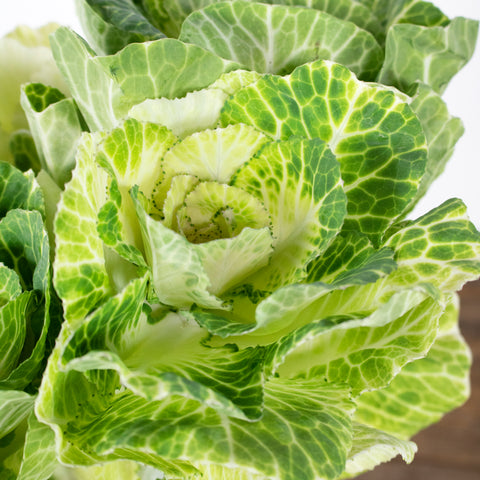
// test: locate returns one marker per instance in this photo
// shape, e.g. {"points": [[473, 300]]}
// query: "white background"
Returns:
{"points": [[462, 175]]}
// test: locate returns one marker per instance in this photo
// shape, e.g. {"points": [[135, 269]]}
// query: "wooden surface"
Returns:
{"points": [[450, 449]]}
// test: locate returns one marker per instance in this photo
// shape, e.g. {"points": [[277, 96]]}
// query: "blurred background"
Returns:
{"points": [[449, 450]]}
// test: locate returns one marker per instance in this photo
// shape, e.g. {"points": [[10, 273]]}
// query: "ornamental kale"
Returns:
{"points": [[224, 216]]}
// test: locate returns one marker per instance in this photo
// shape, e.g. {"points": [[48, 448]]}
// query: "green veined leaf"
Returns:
{"points": [[110, 25], [416, 12], [299, 183], [392, 12], [48, 112], [13, 331], [441, 130], [39, 456], [94, 88], [423, 391], [373, 133], [132, 155], [350, 258], [308, 423], [428, 55], [365, 353], [106, 88], [356, 293], [25, 249], [442, 247], [19, 190], [80, 276], [24, 152], [120, 336], [111, 229], [15, 406], [243, 399], [11, 451], [278, 38], [164, 68], [10, 287], [349, 10], [168, 15], [372, 447]]}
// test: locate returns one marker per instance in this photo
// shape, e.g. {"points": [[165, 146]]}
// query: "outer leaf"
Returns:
{"points": [[112, 24], [349, 10], [442, 247], [80, 275], [277, 38], [24, 152], [357, 292], [423, 391], [24, 248], [49, 112], [168, 15], [14, 408], [375, 136], [71, 396], [350, 258], [365, 353], [25, 57], [13, 330], [309, 424], [19, 190], [11, 449], [10, 287], [105, 88], [372, 447], [441, 130], [164, 68], [240, 400], [429, 55], [417, 12], [39, 456], [97, 94], [139, 350], [299, 183]]}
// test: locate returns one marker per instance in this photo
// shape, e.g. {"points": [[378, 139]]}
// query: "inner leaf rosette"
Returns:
{"points": [[274, 204]]}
